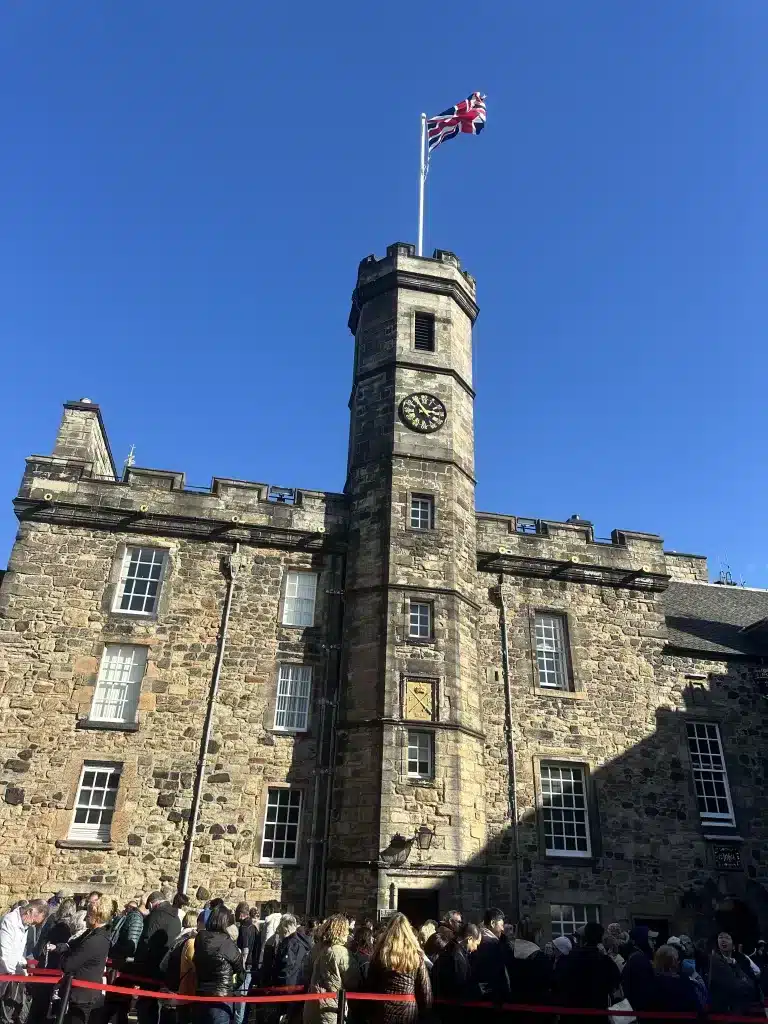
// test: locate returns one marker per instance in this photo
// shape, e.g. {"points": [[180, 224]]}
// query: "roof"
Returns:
{"points": [[716, 619]]}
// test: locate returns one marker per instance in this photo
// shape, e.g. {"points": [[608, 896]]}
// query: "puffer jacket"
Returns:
{"points": [[332, 968], [217, 959]]}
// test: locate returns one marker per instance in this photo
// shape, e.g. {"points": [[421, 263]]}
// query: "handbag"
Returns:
{"points": [[623, 1004]]}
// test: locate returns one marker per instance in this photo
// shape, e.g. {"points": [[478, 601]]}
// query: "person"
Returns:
{"points": [[361, 948], [126, 933], [733, 987], [490, 969], [181, 903], [161, 927], [669, 989], [435, 945], [397, 968], [217, 960], [453, 976], [271, 921], [84, 958], [292, 950], [14, 928], [587, 977], [248, 942], [760, 955], [178, 967], [82, 913], [611, 944], [454, 921], [331, 969], [427, 929], [637, 976], [56, 932], [528, 969]]}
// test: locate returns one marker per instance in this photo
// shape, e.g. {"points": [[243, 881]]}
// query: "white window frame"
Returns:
{"points": [[551, 640], [95, 799], [559, 806], [705, 748], [280, 791], [415, 620], [120, 589], [294, 692], [291, 607], [424, 507], [421, 742], [121, 672], [567, 918]]}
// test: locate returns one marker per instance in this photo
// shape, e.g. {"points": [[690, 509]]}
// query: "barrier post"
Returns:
{"points": [[342, 1008], [64, 999]]}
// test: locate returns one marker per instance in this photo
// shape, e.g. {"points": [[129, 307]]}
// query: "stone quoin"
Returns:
{"points": [[576, 725]]}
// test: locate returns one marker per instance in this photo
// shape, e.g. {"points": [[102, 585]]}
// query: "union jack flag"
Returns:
{"points": [[467, 116]]}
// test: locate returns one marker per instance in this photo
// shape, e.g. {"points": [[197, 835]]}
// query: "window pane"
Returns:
{"points": [[709, 773], [300, 595], [293, 689], [138, 589], [420, 620], [564, 810], [95, 802], [421, 746], [550, 651], [116, 695], [568, 918], [422, 512], [281, 825]]}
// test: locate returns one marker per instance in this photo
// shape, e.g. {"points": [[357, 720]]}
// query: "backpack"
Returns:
{"points": [[172, 976]]}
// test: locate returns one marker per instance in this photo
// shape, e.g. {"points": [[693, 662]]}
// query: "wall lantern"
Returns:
{"points": [[424, 836]]}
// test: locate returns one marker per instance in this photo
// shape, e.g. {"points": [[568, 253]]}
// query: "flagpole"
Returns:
{"points": [[422, 178]]}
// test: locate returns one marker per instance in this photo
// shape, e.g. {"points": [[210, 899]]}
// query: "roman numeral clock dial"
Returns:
{"points": [[422, 412]]}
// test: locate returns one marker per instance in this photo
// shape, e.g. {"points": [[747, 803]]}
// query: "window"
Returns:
{"points": [[551, 651], [422, 512], [281, 827], [709, 775], [566, 918], [421, 754], [420, 620], [293, 685], [564, 807], [300, 594], [424, 332], [117, 689], [140, 580], [95, 804]]}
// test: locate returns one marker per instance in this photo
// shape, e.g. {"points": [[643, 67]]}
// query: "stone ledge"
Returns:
{"points": [[540, 691], [85, 723], [82, 844]]}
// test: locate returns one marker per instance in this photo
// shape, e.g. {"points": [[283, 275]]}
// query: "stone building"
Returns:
{"points": [[382, 698]]}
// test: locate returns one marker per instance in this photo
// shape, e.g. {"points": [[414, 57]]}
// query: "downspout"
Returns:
{"points": [[229, 564], [511, 758]]}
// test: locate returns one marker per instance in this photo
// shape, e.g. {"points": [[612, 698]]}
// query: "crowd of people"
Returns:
{"points": [[162, 943]]}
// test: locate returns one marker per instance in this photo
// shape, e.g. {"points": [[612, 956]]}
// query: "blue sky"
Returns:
{"points": [[186, 189]]}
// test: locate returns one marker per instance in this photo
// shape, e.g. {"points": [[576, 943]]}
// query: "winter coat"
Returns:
{"points": [[126, 935], [173, 959], [13, 941], [85, 958], [217, 959], [587, 977], [388, 982], [529, 971], [733, 987], [490, 969], [674, 993], [637, 979], [161, 927], [332, 968], [58, 935], [288, 962], [453, 975]]}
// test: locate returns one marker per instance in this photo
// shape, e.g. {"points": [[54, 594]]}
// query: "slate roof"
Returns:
{"points": [[712, 619]]}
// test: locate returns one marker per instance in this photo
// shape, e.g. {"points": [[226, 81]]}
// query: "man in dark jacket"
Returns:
{"points": [[490, 971], [637, 976], [249, 944], [588, 977], [161, 927], [291, 953]]}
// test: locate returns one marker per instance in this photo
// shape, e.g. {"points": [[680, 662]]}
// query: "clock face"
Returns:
{"points": [[423, 412]]}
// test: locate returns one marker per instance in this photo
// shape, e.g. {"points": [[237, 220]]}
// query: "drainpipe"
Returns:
{"points": [[510, 744], [230, 564]]}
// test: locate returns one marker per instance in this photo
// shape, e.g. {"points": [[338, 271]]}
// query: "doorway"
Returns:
{"points": [[418, 905]]}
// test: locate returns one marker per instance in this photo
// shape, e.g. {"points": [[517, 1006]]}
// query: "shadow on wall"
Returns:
{"points": [[649, 858]]}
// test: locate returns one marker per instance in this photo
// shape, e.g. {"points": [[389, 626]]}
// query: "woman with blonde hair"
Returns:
{"points": [[397, 968], [85, 958], [331, 969]]}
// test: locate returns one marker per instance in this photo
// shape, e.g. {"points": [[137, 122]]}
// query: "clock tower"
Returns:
{"points": [[410, 734]]}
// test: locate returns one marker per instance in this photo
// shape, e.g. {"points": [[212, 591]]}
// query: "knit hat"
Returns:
{"points": [[563, 944]]}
